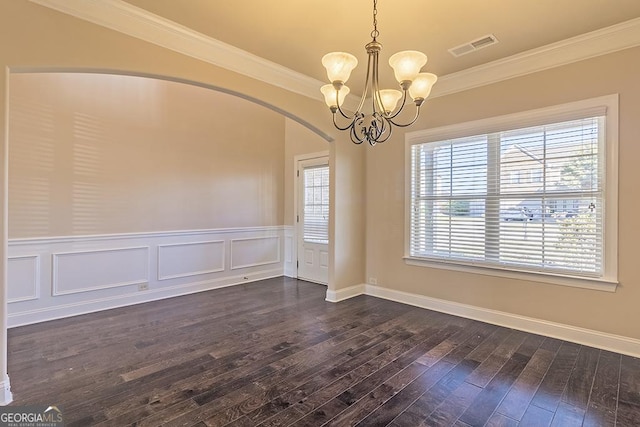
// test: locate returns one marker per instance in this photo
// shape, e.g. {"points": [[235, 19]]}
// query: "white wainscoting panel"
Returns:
{"points": [[55, 277], [255, 251], [85, 271], [308, 257], [190, 259], [290, 251], [324, 259], [288, 245], [23, 274]]}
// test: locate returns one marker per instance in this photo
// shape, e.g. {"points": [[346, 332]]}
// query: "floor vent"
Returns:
{"points": [[473, 45]]}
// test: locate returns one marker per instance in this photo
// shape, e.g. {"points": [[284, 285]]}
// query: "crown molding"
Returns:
{"points": [[136, 22], [589, 45]]}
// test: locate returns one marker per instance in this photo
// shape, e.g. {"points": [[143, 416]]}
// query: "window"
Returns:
{"points": [[528, 193], [316, 204]]}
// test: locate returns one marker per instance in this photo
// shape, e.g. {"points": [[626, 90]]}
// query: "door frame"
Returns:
{"points": [[296, 207]]}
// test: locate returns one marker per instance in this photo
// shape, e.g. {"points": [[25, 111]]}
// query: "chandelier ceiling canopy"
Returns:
{"points": [[376, 125]]}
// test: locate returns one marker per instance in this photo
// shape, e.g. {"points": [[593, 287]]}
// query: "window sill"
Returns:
{"points": [[598, 284]]}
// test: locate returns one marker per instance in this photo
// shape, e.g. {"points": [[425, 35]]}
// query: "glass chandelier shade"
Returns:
{"points": [[329, 93], [376, 126], [389, 98], [339, 65], [421, 86], [407, 64]]}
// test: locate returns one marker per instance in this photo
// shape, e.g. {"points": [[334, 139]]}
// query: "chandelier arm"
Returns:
{"points": [[358, 110], [407, 124], [404, 102], [359, 131], [354, 136], [380, 141], [366, 85], [377, 100], [353, 117], [345, 115], [387, 128], [335, 123], [377, 128], [375, 90], [380, 126], [355, 139]]}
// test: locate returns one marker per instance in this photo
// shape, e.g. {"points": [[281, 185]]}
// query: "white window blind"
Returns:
{"points": [[316, 204], [529, 199]]}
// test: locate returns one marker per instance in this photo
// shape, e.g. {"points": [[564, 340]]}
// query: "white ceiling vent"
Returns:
{"points": [[474, 45]]}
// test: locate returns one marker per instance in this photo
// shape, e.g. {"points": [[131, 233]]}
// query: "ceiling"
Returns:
{"points": [[297, 33]]}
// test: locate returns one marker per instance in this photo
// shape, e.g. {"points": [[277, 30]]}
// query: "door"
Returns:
{"points": [[313, 220]]}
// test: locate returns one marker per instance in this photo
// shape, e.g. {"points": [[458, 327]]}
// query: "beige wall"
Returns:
{"points": [[102, 154], [298, 141], [615, 313], [347, 249]]}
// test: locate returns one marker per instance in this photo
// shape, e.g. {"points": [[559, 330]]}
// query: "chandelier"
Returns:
{"points": [[376, 127]]}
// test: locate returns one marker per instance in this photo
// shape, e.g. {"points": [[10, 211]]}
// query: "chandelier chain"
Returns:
{"points": [[375, 33]]}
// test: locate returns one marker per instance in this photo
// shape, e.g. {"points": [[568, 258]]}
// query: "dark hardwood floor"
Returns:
{"points": [[274, 353]]}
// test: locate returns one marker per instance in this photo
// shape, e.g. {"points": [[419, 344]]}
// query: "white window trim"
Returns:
{"points": [[557, 113]]}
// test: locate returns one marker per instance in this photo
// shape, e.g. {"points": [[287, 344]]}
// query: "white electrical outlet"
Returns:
{"points": [[143, 287]]}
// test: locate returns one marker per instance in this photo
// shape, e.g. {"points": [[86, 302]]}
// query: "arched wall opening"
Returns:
{"points": [[128, 188], [95, 153]]}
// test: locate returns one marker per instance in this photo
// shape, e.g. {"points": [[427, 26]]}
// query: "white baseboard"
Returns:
{"points": [[99, 304], [589, 337], [5, 392], [346, 293]]}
